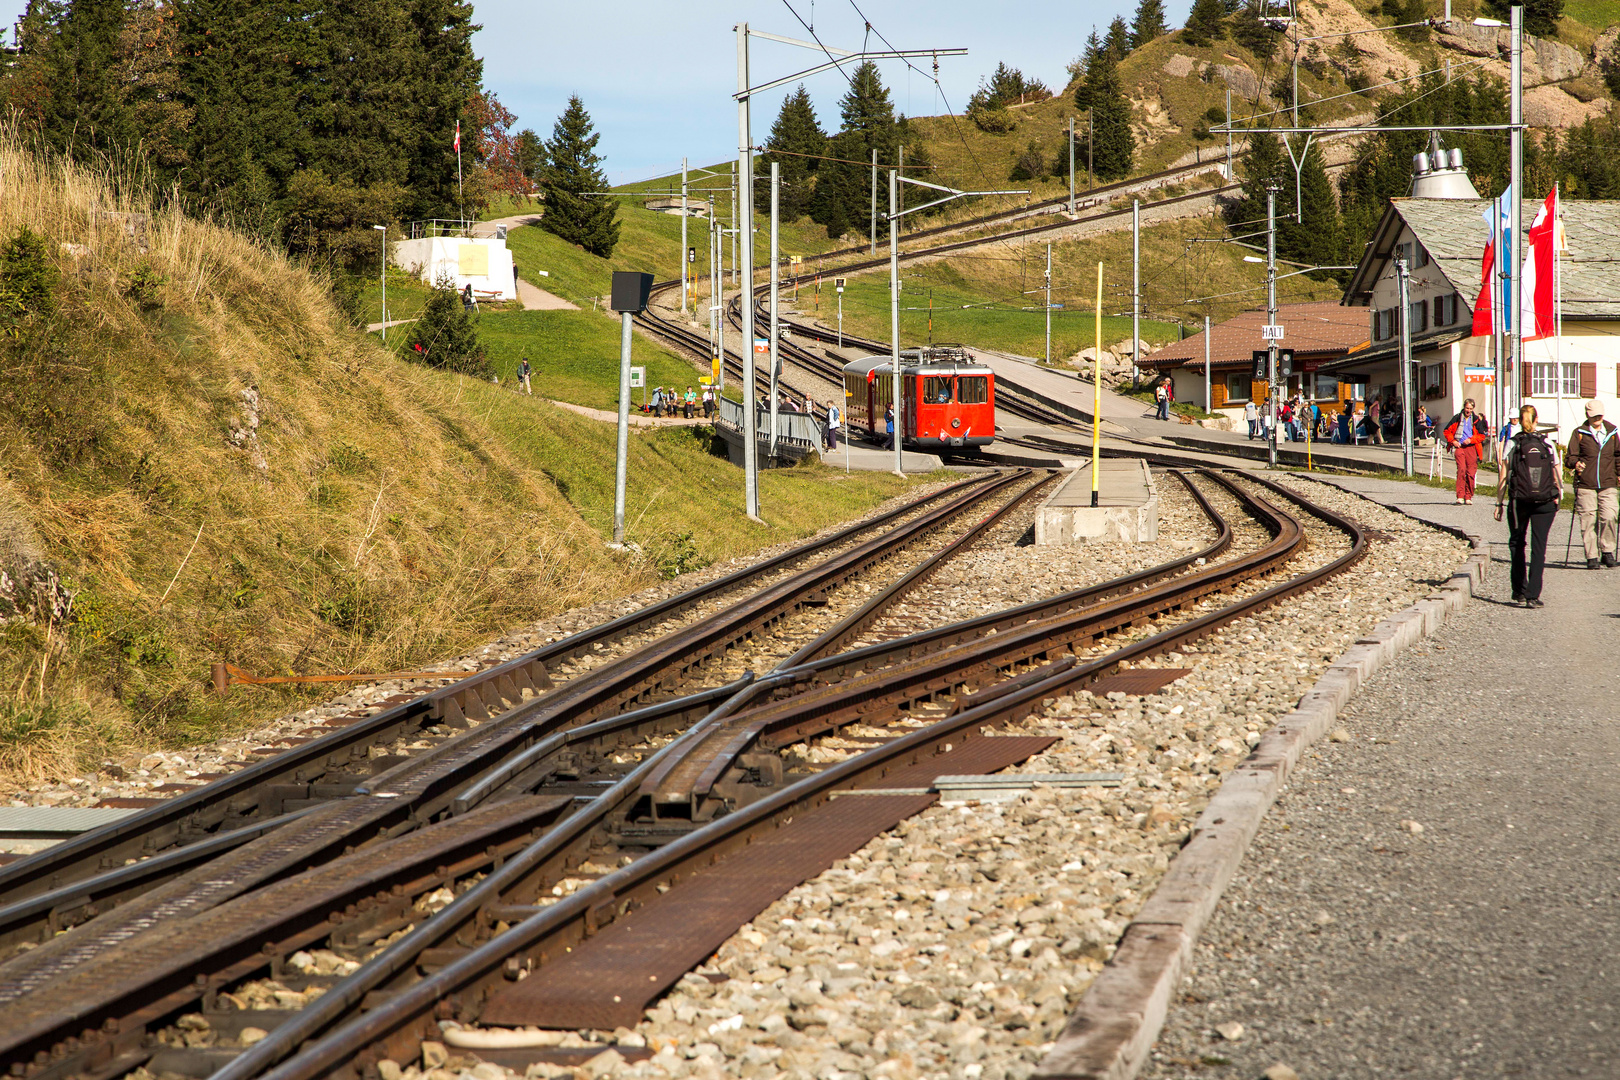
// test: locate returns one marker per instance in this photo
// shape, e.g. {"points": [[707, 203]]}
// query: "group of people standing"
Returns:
{"points": [[664, 401], [1530, 487]]}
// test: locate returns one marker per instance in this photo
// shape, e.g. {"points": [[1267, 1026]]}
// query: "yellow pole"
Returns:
{"points": [[1096, 392]]}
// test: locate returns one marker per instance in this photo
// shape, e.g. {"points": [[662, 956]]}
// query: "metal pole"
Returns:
{"points": [[1403, 298], [624, 427], [1271, 320], [1048, 303], [734, 223], [683, 238], [1229, 132], [874, 200], [1136, 290], [1498, 317], [1091, 143], [718, 312], [894, 311], [1209, 401], [1071, 165], [776, 194], [840, 318], [384, 230], [744, 190], [1295, 67], [1515, 220], [1096, 390]]}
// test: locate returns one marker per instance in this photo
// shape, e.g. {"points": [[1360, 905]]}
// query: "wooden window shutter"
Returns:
{"points": [[1217, 393], [1524, 378], [1257, 391], [1588, 380]]}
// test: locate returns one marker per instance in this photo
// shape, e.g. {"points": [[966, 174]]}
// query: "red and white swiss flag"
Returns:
{"points": [[458, 137], [1537, 303]]}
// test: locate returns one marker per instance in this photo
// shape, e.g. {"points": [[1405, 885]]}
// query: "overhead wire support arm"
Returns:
{"points": [[887, 54]]}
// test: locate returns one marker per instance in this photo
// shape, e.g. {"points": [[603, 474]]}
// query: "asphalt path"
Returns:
{"points": [[1435, 896]]}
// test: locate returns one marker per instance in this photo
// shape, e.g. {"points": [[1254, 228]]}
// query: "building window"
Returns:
{"points": [[1417, 314], [1432, 381], [1420, 255], [1237, 386], [1445, 310], [1384, 324], [1327, 387], [1544, 380]]}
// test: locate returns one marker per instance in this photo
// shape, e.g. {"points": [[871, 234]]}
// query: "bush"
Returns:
{"points": [[445, 337], [145, 285], [28, 280], [1030, 165], [992, 118]]}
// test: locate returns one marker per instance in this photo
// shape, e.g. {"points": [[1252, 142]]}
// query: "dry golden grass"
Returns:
{"points": [[373, 518]]}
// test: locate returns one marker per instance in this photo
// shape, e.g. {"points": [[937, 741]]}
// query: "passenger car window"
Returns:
{"points": [[973, 389], [936, 390]]}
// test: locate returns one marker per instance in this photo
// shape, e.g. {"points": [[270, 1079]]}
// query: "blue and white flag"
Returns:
{"points": [[1502, 229]]}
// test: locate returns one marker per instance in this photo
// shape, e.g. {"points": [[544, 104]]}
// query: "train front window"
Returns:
{"points": [[936, 390], [973, 389]]}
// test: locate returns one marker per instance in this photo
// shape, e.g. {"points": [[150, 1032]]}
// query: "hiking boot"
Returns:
{"points": [[1518, 598], [1609, 559], [1534, 601], [1592, 564]]}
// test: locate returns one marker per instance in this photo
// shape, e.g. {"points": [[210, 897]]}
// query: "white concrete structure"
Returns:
{"points": [[480, 259]]}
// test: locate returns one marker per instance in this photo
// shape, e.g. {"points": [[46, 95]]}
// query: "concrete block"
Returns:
{"points": [[1128, 506]]}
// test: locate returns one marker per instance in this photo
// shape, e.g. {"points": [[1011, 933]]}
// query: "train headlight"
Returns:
{"points": [[957, 422]]}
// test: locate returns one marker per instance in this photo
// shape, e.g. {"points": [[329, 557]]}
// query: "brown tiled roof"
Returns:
{"points": [[1320, 329]]}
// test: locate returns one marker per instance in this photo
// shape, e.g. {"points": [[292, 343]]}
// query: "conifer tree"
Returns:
{"points": [[1118, 42], [1148, 23], [573, 168], [531, 155], [1205, 23], [442, 74], [868, 124], [1540, 16], [1315, 237], [1083, 67], [1114, 145], [353, 105], [444, 336], [796, 143]]}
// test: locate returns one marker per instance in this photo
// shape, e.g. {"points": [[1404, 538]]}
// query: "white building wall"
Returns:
{"points": [[430, 257]]}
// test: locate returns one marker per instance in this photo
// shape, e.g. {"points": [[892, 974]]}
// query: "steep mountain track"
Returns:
{"points": [[71, 881], [536, 877]]}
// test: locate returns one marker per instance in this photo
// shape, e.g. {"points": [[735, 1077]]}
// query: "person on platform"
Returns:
{"points": [[888, 426], [1591, 455], [1530, 483], [1162, 396], [708, 402], [835, 420], [1375, 421], [1422, 424], [1465, 436], [1251, 416]]}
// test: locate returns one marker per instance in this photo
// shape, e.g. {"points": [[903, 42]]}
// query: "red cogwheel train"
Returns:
{"points": [[948, 400]]}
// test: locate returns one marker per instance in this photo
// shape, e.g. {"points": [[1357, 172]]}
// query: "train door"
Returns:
{"points": [[908, 388]]}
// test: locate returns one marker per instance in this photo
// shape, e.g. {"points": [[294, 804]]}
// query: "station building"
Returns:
{"points": [[1351, 351], [464, 252]]}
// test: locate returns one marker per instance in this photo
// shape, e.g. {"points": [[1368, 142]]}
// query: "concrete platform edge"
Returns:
{"points": [[1112, 1031]]}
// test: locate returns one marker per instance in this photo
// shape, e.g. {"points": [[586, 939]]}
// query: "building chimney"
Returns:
{"points": [[1438, 174]]}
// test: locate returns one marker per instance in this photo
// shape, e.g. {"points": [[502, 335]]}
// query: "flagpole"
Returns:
{"points": [[460, 198]]}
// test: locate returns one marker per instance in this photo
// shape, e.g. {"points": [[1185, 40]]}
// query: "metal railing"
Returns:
{"points": [[454, 227], [796, 429]]}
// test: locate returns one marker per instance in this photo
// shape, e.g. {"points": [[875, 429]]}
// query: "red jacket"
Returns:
{"points": [[1482, 431]]}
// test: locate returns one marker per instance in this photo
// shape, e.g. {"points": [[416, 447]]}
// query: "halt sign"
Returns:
{"points": [[638, 378]]}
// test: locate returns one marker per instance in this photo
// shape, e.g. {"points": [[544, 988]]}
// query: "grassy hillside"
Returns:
{"points": [[219, 468]]}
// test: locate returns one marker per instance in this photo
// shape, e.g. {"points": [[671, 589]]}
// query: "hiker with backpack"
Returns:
{"points": [[1466, 435], [1530, 482], [1591, 455]]}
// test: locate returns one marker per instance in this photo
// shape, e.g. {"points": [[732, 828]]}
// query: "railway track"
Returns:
{"points": [[537, 852], [424, 808], [77, 879]]}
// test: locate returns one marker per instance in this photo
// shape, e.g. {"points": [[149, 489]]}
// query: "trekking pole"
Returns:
{"points": [[1569, 543]]}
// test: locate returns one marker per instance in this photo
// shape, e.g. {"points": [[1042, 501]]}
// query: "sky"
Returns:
{"points": [[657, 78]]}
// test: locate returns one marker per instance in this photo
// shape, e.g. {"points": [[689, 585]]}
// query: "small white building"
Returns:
{"points": [[466, 252], [1443, 241]]}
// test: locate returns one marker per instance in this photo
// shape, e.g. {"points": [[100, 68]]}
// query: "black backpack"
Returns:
{"points": [[1535, 469]]}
